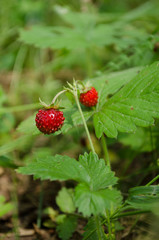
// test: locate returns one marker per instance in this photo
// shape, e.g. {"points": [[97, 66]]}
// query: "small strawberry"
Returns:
{"points": [[49, 120], [89, 98]]}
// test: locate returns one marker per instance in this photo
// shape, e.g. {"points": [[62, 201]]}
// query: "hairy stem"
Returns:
{"points": [[57, 95], [109, 225], [84, 121], [97, 218], [107, 162]]}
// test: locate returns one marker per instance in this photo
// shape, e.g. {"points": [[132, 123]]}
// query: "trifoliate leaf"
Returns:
{"points": [[136, 104], [92, 195], [90, 170], [66, 228], [65, 200]]}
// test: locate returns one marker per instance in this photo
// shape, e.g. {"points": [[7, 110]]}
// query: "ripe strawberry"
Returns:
{"points": [[49, 120], [89, 98]]}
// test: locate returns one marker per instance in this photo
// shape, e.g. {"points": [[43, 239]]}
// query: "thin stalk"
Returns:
{"points": [[107, 162], [118, 210], [84, 122], [40, 206], [57, 95], [105, 149], [152, 181], [97, 218], [109, 225]]}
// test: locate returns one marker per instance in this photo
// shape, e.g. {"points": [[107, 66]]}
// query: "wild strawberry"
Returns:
{"points": [[89, 98], [49, 120]]}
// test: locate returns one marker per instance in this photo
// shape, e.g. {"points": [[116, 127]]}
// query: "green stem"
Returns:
{"points": [[107, 162], [104, 144], [153, 180], [109, 225], [57, 95], [97, 218], [84, 121]]}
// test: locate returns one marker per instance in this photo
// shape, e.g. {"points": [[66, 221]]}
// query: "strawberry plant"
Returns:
{"points": [[95, 139], [96, 195]]}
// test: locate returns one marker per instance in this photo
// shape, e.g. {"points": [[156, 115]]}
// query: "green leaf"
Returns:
{"points": [[136, 104], [91, 231], [94, 202], [90, 170], [39, 36], [66, 228], [69, 38], [110, 83], [99, 176], [65, 200], [54, 37], [105, 84], [55, 168], [144, 197], [73, 118], [92, 195], [78, 19]]}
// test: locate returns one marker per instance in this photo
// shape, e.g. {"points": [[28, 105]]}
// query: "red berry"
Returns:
{"points": [[89, 98], [49, 120]]}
